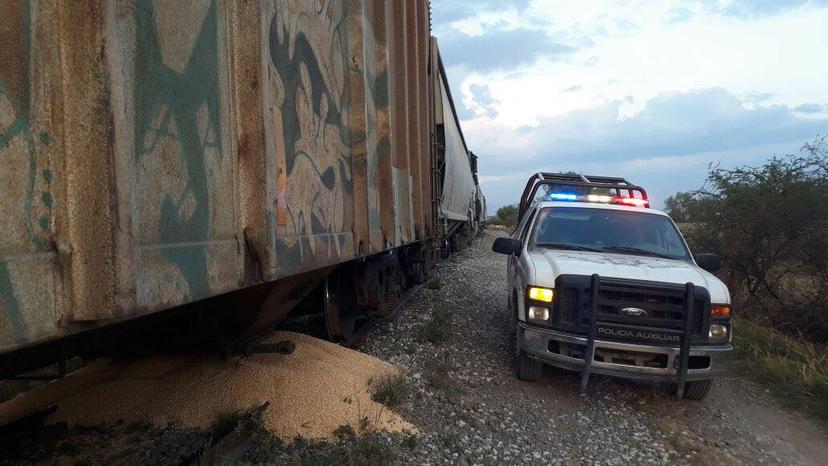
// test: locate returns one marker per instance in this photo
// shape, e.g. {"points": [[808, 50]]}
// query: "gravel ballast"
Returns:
{"points": [[472, 409]]}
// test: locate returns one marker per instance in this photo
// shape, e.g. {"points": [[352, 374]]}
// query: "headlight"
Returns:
{"points": [[541, 294], [538, 314], [720, 311], [718, 331]]}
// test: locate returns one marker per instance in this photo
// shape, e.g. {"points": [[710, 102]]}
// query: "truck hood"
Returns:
{"points": [[551, 263]]}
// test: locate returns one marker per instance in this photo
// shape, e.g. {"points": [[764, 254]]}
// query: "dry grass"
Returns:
{"points": [[793, 369], [391, 390], [438, 328]]}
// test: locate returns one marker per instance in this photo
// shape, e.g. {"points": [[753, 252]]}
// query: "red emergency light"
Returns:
{"points": [[633, 201]]}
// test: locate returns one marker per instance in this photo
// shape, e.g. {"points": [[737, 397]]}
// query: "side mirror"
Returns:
{"points": [[709, 262], [507, 246]]}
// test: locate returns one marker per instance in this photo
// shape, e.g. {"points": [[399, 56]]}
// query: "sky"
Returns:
{"points": [[653, 91]]}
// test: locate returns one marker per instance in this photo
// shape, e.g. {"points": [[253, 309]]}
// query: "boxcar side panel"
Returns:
{"points": [[155, 153], [30, 192], [183, 153], [400, 144], [412, 113], [424, 189], [378, 128], [458, 184], [307, 52]]}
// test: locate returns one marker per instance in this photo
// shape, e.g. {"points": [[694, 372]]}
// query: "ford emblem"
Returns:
{"points": [[634, 312]]}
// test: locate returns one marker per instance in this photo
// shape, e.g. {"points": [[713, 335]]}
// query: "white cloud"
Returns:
{"points": [[616, 81], [778, 54]]}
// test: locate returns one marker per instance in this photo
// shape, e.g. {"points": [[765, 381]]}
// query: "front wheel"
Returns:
{"points": [[697, 389], [528, 369]]}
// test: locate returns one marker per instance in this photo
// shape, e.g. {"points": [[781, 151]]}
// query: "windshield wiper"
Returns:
{"points": [[571, 247], [633, 250]]}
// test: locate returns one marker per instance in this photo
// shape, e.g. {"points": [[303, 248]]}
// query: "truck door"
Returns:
{"points": [[521, 233]]}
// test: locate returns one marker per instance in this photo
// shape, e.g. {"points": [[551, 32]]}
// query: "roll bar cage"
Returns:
{"points": [[578, 181]]}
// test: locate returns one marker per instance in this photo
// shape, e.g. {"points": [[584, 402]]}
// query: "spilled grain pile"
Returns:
{"points": [[311, 391]]}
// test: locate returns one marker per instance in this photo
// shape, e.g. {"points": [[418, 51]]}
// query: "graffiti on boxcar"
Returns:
{"points": [[378, 140], [177, 130], [307, 50], [19, 153], [25, 179]]}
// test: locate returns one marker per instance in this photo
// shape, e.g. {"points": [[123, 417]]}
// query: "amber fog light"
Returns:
{"points": [[538, 314], [720, 311], [718, 331]]}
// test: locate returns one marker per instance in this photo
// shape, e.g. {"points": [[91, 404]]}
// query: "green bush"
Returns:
{"points": [[506, 215], [770, 225]]}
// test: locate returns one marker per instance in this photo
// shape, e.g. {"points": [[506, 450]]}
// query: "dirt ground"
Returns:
{"points": [[472, 409]]}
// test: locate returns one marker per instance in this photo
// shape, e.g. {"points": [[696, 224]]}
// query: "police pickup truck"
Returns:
{"points": [[600, 283]]}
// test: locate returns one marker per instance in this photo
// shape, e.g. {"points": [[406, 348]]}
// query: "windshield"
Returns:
{"points": [[605, 230]]}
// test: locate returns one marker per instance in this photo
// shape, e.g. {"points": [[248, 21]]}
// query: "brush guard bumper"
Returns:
{"points": [[589, 355]]}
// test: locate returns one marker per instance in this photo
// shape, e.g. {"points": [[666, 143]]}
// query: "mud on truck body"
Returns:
{"points": [[601, 283]]}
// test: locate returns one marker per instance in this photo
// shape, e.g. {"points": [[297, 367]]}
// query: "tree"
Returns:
{"points": [[677, 206], [507, 214], [770, 225]]}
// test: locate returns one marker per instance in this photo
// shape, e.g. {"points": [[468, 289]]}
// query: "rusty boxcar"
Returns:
{"points": [[155, 153]]}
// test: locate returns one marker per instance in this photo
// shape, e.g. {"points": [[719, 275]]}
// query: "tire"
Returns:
{"points": [[528, 369], [697, 389]]}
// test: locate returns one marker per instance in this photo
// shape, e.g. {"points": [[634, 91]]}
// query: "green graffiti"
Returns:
{"points": [[20, 125], [16, 94], [180, 95], [10, 305], [288, 57], [379, 89], [313, 105]]}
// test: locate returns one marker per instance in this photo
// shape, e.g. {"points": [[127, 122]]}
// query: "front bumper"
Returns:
{"points": [[635, 361]]}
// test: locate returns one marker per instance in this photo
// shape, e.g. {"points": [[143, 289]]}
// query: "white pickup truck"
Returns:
{"points": [[601, 283]]}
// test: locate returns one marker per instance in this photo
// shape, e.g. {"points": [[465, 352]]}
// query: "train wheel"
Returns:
{"points": [[340, 306]]}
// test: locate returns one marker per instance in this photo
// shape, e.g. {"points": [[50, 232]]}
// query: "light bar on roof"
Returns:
{"points": [[599, 199]]}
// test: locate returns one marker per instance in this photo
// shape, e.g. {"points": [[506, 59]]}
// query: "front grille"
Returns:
{"points": [[664, 304], [567, 304]]}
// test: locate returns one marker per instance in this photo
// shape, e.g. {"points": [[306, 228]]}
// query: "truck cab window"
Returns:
{"points": [[609, 230], [526, 227]]}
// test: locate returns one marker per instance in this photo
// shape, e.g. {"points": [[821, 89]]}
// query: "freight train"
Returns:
{"points": [[231, 158]]}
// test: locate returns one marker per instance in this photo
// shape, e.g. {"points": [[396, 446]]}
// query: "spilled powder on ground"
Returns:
{"points": [[311, 391]]}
